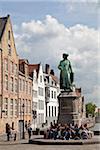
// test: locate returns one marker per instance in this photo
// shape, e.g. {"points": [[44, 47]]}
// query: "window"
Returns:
{"points": [[34, 105], [6, 106], [11, 107], [23, 106], [40, 90], [49, 111], [26, 106], [41, 104], [20, 84], [12, 84], [52, 111], [29, 106], [15, 69], [19, 106], [16, 107], [47, 92], [34, 93], [6, 82], [52, 94], [55, 94], [11, 67], [26, 87], [16, 87], [23, 102], [41, 118], [55, 111], [6, 64], [8, 35], [30, 88], [9, 49], [23, 85], [40, 78]]}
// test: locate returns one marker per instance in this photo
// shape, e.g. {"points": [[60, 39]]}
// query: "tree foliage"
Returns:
{"points": [[90, 109]]}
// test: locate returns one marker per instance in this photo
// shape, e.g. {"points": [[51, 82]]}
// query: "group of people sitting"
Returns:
{"points": [[67, 131]]}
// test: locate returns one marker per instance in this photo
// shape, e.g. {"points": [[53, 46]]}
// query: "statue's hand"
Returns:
{"points": [[59, 67]]}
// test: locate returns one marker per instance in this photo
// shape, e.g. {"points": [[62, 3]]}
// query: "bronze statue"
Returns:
{"points": [[66, 74]]}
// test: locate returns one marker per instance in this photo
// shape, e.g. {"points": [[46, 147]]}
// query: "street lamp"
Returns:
{"points": [[34, 116], [23, 136]]}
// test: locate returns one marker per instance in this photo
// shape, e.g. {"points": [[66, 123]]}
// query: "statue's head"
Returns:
{"points": [[65, 56]]}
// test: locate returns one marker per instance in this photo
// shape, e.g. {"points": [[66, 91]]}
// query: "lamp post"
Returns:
{"points": [[34, 116], [23, 136]]}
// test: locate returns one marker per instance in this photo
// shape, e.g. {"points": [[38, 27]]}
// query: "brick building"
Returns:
{"points": [[8, 76], [15, 82], [24, 94]]}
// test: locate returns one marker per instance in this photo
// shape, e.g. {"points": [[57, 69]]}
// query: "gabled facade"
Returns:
{"points": [[38, 106], [8, 76], [24, 94], [51, 92]]}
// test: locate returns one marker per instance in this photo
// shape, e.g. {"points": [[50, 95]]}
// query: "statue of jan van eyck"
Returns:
{"points": [[66, 73]]}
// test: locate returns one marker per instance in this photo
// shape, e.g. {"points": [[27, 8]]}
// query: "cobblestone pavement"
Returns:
{"points": [[23, 145], [48, 147]]}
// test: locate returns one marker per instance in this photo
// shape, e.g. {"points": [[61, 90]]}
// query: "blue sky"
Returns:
{"points": [[66, 12], [44, 30]]}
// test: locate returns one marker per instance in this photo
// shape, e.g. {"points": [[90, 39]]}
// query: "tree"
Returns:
{"points": [[90, 109]]}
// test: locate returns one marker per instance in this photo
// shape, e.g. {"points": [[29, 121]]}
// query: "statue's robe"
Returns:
{"points": [[66, 75]]}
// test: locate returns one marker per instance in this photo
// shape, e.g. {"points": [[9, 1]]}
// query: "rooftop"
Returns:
{"points": [[3, 21]]}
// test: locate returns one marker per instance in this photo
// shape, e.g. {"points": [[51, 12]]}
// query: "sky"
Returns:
{"points": [[45, 29]]}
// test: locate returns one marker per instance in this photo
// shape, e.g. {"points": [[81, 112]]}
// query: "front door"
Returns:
{"points": [[20, 129]]}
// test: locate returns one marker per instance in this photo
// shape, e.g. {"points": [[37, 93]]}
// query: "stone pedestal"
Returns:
{"points": [[68, 109]]}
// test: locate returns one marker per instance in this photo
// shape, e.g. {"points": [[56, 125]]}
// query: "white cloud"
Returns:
{"points": [[46, 40]]}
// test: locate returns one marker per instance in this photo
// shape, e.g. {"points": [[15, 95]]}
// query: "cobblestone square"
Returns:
{"points": [[48, 147]]}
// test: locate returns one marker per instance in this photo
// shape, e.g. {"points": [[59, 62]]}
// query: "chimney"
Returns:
{"points": [[47, 69], [52, 72]]}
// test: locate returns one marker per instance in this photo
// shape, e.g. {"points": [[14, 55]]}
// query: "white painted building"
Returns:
{"points": [[51, 92], [38, 105]]}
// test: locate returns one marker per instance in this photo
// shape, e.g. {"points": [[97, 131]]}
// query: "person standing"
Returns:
{"points": [[8, 131], [29, 132]]}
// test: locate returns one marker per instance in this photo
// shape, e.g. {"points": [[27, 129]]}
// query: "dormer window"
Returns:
{"points": [[8, 35]]}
